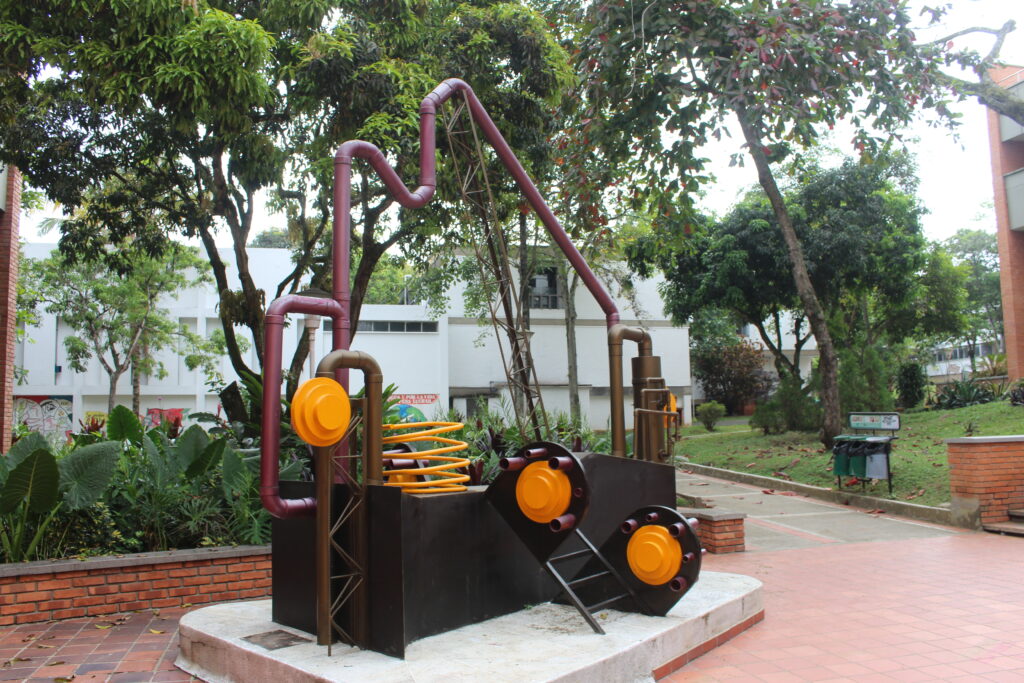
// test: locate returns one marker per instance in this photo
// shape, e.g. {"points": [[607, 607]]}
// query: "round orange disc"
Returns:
{"points": [[320, 411], [543, 493], [654, 556]]}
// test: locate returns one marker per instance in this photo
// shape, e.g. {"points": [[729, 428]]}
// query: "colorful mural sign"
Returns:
{"points": [[48, 415], [407, 410]]}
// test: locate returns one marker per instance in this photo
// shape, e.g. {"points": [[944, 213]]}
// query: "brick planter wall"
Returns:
{"points": [[719, 532], [986, 478], [64, 589]]}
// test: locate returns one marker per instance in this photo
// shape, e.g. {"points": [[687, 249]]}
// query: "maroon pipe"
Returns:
{"points": [[561, 462], [273, 333], [422, 194], [340, 307], [512, 464], [563, 523]]}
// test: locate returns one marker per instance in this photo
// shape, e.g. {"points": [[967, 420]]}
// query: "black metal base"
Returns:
{"points": [[441, 561], [293, 571]]}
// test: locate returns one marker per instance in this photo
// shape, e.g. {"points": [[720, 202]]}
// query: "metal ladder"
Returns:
{"points": [[587, 611]]}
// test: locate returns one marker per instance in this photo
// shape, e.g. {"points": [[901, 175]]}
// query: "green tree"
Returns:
{"points": [[116, 318], [731, 375], [784, 70], [182, 114], [976, 252]]}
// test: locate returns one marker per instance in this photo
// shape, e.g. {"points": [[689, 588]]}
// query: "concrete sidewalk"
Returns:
{"points": [[783, 521]]}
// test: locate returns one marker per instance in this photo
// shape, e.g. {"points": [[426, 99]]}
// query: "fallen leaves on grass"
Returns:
{"points": [[782, 475], [916, 494], [750, 464]]}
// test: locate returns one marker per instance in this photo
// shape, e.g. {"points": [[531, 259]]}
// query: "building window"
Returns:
{"points": [[544, 291], [401, 326]]}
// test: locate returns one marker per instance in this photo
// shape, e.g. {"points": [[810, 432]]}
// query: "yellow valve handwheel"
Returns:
{"points": [[321, 411], [654, 556], [543, 493]]}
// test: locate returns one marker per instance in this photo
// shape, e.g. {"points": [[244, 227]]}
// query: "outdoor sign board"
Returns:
{"points": [[889, 421]]}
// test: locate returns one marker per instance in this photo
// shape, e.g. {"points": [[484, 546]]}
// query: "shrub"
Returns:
{"points": [[910, 384], [709, 413], [1016, 395], [769, 418], [864, 380], [963, 393], [731, 375], [800, 412]]}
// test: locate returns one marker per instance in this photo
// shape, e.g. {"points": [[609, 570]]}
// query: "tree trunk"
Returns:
{"points": [[220, 277], [828, 363], [136, 385], [112, 389], [291, 380], [525, 271], [575, 413]]}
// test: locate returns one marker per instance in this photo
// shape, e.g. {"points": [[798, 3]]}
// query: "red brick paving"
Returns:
{"points": [[945, 608], [121, 648]]}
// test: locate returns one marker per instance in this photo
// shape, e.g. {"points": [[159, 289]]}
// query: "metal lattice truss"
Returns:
{"points": [[507, 313]]}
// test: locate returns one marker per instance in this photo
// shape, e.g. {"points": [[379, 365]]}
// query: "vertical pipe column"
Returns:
{"points": [[324, 473]]}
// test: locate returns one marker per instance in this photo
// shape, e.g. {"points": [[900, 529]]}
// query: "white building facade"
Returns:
{"points": [[434, 363]]}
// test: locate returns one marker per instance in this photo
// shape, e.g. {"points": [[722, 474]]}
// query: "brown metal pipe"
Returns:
{"points": [[616, 394], [651, 517], [537, 453], [629, 526], [676, 530], [324, 472], [373, 381]]}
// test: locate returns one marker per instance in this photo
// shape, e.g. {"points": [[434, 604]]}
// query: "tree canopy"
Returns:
{"points": [[116, 318], [866, 257], [160, 117]]}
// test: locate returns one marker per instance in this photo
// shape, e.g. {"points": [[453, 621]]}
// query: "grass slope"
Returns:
{"points": [[919, 467]]}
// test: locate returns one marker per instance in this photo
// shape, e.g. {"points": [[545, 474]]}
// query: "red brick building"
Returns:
{"points": [[1006, 139], [10, 211]]}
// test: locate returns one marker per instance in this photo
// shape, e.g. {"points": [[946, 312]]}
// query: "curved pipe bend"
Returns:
{"points": [[428, 181], [270, 465]]}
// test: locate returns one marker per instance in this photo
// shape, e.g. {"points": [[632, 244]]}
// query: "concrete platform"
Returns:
{"points": [[548, 642]]}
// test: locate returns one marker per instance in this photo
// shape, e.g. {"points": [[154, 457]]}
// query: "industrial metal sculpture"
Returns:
{"points": [[366, 593]]}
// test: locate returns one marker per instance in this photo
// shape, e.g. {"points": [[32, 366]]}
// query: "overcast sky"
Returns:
{"points": [[955, 171]]}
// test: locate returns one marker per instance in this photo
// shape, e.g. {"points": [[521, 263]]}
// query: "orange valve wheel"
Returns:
{"points": [[654, 556], [321, 412], [542, 493]]}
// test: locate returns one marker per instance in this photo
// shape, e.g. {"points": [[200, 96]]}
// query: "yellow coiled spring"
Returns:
{"points": [[447, 480]]}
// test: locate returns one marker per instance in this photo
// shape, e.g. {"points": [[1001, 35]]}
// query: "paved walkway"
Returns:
{"points": [[850, 596], [123, 648]]}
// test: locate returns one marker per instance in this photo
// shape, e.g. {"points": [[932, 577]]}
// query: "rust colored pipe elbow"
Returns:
{"points": [[616, 334]]}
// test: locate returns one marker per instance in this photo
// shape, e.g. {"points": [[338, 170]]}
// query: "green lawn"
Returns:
{"points": [[920, 471]]}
